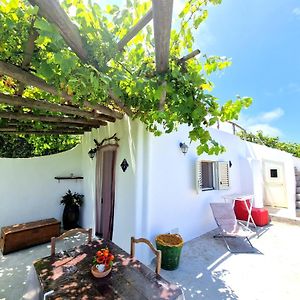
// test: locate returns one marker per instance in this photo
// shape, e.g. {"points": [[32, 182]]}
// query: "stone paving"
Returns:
{"points": [[207, 270]]}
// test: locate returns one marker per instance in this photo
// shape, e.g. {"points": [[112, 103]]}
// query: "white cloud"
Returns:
{"points": [[271, 115], [293, 87], [296, 11], [289, 88], [262, 122], [266, 129], [204, 37]]}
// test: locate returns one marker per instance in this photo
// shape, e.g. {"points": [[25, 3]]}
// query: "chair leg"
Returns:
{"points": [[158, 262], [90, 235], [132, 247], [220, 235], [53, 239]]}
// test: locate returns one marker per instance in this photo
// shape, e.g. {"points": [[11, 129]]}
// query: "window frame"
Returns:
{"points": [[217, 174]]}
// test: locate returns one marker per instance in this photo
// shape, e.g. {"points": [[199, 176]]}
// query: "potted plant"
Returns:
{"points": [[72, 202], [102, 263]]}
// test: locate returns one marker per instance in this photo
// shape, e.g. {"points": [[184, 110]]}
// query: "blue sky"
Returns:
{"points": [[263, 40], [262, 37]]}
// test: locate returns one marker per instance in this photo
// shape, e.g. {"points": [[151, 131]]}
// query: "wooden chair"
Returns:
{"points": [[70, 233], [155, 251]]}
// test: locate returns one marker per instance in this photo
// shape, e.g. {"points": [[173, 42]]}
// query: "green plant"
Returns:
{"points": [[162, 101], [272, 142], [72, 199], [25, 145]]}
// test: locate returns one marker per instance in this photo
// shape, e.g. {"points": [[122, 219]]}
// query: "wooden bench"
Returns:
{"points": [[19, 236]]}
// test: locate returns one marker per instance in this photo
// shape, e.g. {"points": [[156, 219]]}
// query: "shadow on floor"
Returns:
{"points": [[15, 266], [197, 274]]}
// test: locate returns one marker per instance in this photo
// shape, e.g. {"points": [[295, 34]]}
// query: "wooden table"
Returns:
{"points": [[129, 278]]}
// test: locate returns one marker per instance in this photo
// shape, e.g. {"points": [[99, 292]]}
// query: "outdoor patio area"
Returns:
{"points": [[207, 270]]}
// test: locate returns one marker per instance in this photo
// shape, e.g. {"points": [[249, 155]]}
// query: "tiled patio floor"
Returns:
{"points": [[207, 270]]}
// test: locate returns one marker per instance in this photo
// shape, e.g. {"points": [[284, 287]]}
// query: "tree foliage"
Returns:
{"points": [[130, 74], [272, 142], [12, 146]]}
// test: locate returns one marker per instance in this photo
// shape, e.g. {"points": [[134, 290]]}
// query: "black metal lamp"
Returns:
{"points": [[184, 148], [92, 153]]}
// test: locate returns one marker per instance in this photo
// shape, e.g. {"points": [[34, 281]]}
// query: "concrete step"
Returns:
{"points": [[297, 197], [298, 190]]}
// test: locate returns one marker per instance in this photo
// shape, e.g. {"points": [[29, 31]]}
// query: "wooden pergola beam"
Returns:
{"points": [[30, 79], [54, 125], [53, 107], [163, 96], [46, 118], [135, 29], [103, 109], [162, 21], [11, 130], [190, 55], [28, 53], [116, 100], [54, 13], [51, 125]]}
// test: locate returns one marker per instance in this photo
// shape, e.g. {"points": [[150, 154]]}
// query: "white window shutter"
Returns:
{"points": [[223, 175], [198, 176]]}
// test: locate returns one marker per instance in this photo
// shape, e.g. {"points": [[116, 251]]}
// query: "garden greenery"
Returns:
{"points": [[12, 146], [130, 74], [272, 142]]}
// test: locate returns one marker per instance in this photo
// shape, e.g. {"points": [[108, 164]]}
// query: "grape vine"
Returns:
{"points": [[130, 74]]}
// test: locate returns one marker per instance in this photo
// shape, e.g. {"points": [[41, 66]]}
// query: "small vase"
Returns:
{"points": [[99, 274]]}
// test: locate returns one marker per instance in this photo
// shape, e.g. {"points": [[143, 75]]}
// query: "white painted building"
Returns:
{"points": [[156, 194]]}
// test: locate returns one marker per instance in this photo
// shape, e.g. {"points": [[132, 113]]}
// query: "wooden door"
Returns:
{"points": [[274, 184], [105, 191]]}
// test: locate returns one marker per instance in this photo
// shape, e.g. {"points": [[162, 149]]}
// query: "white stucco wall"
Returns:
{"points": [[131, 194], [155, 195], [29, 191], [174, 204], [258, 154], [296, 162]]}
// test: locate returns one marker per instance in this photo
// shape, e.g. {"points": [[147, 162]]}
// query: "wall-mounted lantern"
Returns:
{"points": [[184, 148], [92, 153]]}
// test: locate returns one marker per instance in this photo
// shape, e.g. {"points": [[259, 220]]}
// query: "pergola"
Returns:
{"points": [[73, 118]]}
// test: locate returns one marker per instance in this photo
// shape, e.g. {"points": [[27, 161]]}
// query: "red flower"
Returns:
{"points": [[103, 256]]}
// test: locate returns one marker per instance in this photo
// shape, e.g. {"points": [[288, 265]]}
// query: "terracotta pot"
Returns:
{"points": [[99, 274]]}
